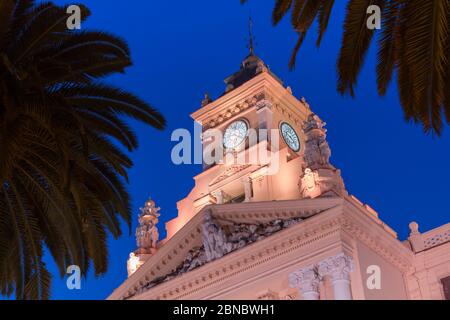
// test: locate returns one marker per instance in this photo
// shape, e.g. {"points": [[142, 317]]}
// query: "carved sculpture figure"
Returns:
{"points": [[309, 181], [147, 234], [317, 150], [216, 246], [319, 176], [214, 239]]}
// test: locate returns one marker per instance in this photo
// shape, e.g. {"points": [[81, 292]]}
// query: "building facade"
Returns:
{"points": [[270, 217]]}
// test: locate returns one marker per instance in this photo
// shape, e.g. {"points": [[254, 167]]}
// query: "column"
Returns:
{"points": [[265, 114], [265, 120], [338, 268], [306, 280], [247, 188]]}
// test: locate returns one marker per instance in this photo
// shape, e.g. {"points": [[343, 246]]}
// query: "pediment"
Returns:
{"points": [[268, 216]]}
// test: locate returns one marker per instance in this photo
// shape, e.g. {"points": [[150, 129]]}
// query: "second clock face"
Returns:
{"points": [[235, 134], [290, 136]]}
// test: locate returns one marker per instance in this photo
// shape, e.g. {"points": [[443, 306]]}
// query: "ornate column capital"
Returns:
{"points": [[338, 267], [306, 280]]}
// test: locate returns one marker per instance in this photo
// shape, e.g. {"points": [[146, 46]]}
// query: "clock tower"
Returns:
{"points": [[263, 144], [269, 217]]}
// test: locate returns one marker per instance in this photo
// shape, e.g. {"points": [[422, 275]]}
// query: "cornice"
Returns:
{"points": [[247, 258], [340, 216], [261, 88], [228, 172], [175, 249], [359, 223], [265, 211]]}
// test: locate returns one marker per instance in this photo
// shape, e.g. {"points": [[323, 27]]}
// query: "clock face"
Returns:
{"points": [[290, 136], [235, 134]]}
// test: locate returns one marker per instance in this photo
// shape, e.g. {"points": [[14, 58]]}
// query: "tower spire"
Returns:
{"points": [[251, 37]]}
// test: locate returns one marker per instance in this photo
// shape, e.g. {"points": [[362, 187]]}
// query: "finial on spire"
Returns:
{"points": [[147, 233], [251, 37], [147, 236]]}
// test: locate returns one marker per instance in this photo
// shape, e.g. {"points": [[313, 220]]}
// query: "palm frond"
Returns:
{"points": [[62, 177], [414, 44]]}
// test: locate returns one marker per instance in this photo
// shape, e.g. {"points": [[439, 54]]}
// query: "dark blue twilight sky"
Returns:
{"points": [[183, 48]]}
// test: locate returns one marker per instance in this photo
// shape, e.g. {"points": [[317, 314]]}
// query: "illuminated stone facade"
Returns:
{"points": [[282, 228]]}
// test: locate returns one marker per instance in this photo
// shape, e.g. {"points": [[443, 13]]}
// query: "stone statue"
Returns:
{"points": [[133, 263], [317, 150], [319, 176], [216, 244], [147, 234], [214, 239], [206, 100]]}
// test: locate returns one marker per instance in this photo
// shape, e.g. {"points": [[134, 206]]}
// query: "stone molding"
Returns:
{"points": [[243, 264], [333, 221], [261, 87], [255, 100], [259, 100], [264, 103], [268, 295], [228, 172], [261, 251]]}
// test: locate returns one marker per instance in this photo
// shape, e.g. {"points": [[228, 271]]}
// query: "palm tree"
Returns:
{"points": [[413, 43], [62, 172]]}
